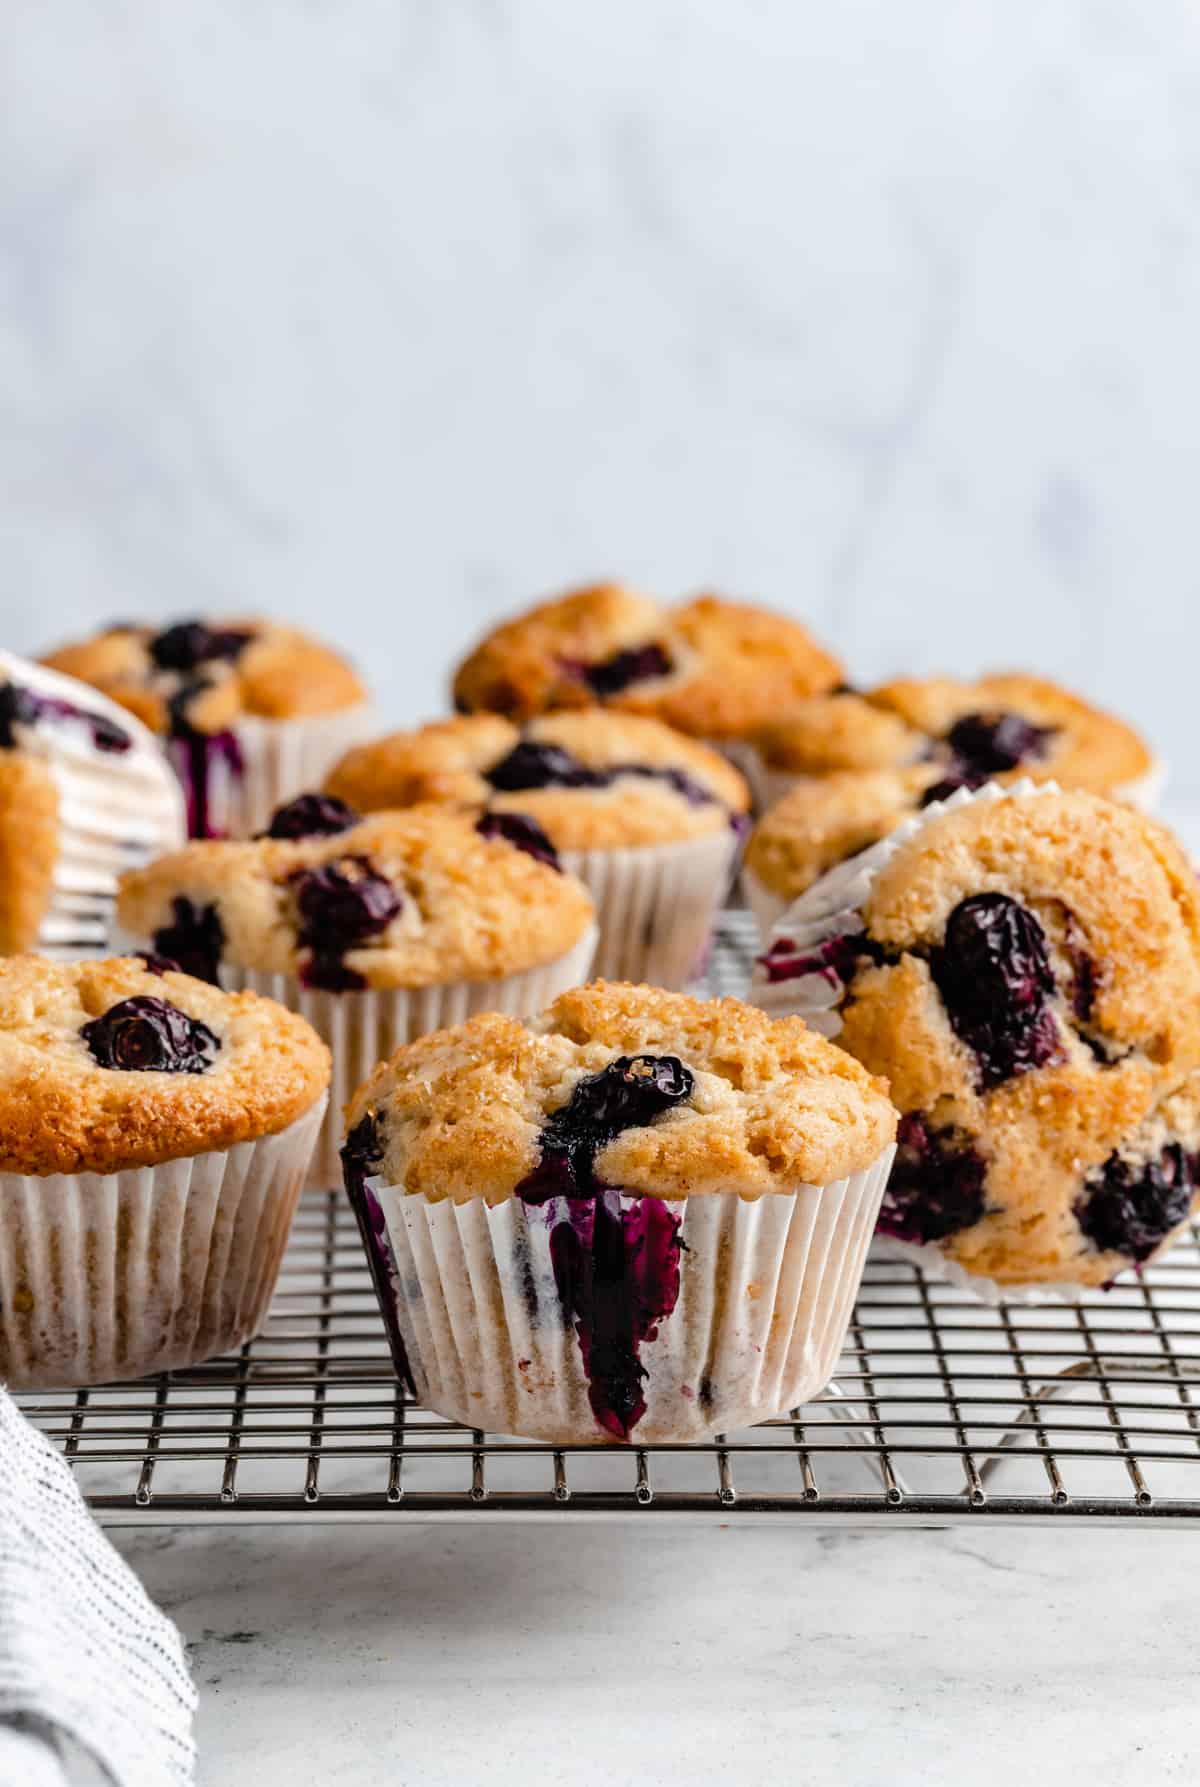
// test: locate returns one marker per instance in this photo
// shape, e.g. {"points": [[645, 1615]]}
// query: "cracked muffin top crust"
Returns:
{"points": [[710, 668], [108, 1065], [400, 899], [591, 779], [657, 1093]]}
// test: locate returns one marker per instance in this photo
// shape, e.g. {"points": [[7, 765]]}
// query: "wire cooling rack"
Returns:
{"points": [[941, 1410]]}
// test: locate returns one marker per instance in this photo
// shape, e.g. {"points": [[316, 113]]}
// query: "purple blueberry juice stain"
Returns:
{"points": [[936, 1186], [616, 1270], [340, 906], [1132, 1209], [311, 816], [193, 941], [521, 831], [836, 960], [149, 1035], [362, 1152], [198, 759], [20, 706], [994, 977]]}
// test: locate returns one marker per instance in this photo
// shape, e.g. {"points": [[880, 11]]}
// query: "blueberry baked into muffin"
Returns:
{"points": [[843, 770], [376, 929], [252, 712], [1024, 968], [84, 793], [713, 669], [154, 1136], [639, 1216], [648, 819]]}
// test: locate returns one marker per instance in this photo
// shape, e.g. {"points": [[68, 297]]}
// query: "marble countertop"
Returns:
{"points": [[449, 1656]]}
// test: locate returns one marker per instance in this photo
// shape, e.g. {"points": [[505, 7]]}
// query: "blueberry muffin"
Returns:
{"points": [[84, 793], [648, 819], [713, 669], [252, 712], [1025, 970], [637, 1217], [842, 771], [375, 929], [154, 1136]]}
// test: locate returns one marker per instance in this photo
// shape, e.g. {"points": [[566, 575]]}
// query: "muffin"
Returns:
{"points": [[154, 1140], [842, 771], [84, 793], [1024, 967], [376, 931], [638, 1217], [713, 669], [648, 820], [251, 712]]}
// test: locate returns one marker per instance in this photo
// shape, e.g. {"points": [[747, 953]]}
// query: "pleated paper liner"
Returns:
{"points": [[655, 905], [115, 1275], [234, 781], [115, 809], [364, 1028], [731, 1310]]}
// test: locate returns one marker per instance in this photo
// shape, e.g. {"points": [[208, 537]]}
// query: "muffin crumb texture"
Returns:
{"points": [[659, 1094], [107, 1065]]}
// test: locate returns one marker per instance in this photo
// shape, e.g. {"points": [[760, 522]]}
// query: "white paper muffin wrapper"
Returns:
{"points": [[116, 1275], [280, 759], [1146, 791], [766, 905], [115, 809], [655, 905], [766, 1290], [364, 1028]]}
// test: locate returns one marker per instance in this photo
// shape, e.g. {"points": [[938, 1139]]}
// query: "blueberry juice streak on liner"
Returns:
{"points": [[362, 1152], [20, 706], [150, 1035], [340, 906], [994, 976], [1132, 1209], [616, 1270], [193, 942], [198, 758], [836, 959], [936, 1186]]}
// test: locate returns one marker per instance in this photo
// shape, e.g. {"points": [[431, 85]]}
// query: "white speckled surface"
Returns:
{"points": [[428, 1657]]}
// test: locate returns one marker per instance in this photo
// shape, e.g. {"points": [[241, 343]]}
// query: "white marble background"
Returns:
{"points": [[389, 314]]}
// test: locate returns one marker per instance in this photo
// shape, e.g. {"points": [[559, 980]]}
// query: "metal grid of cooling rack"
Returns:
{"points": [[941, 1410]]}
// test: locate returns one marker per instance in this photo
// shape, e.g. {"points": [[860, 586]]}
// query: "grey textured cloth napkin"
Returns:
{"points": [[90, 1670]]}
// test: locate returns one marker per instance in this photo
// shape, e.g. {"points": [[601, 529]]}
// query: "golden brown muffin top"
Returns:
{"points": [[757, 1105], [1026, 973], [912, 719], [79, 1091], [401, 899], [592, 779], [711, 668], [214, 672]]}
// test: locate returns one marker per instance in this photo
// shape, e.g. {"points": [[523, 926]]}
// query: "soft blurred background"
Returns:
{"points": [[389, 315]]}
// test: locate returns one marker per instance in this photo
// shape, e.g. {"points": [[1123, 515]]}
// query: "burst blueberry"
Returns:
{"points": [[193, 941], [994, 976], [627, 1094], [523, 832], [189, 643], [20, 706], [639, 664], [149, 1035], [936, 1186], [340, 906], [1132, 1209], [311, 816]]}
